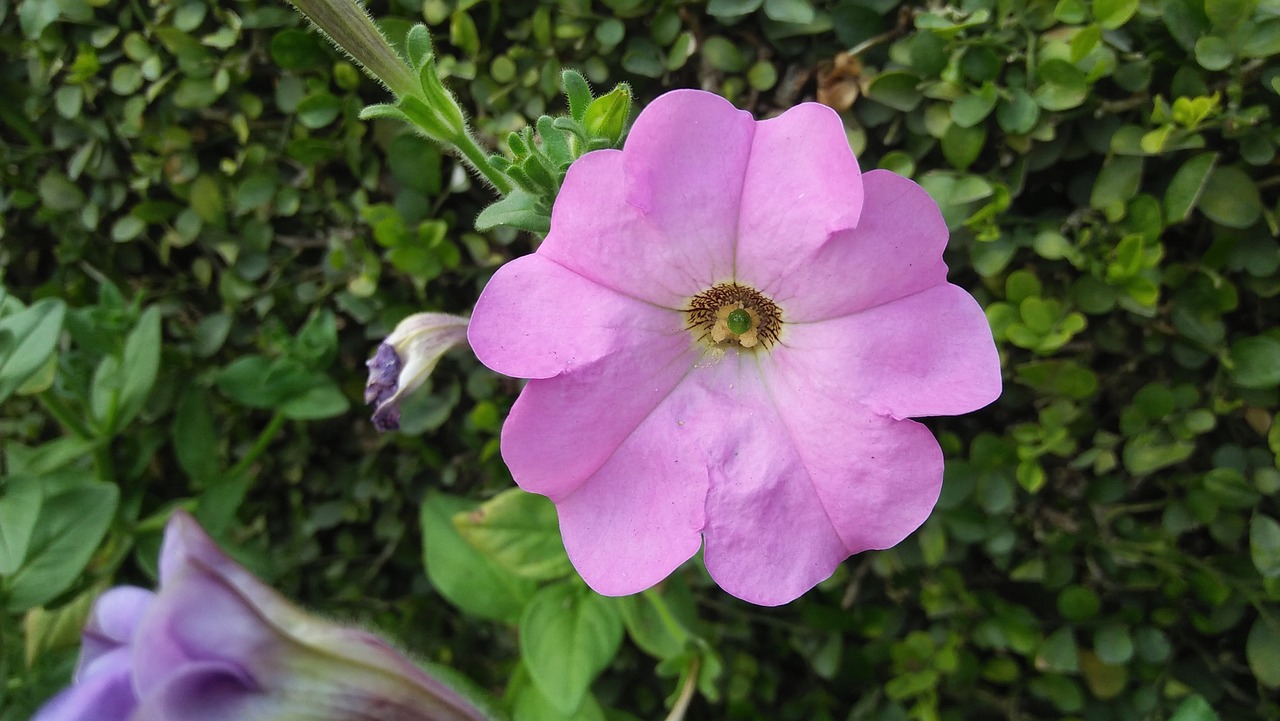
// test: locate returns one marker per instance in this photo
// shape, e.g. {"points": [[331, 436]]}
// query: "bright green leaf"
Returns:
{"points": [[568, 635], [72, 523], [520, 532], [465, 577]]}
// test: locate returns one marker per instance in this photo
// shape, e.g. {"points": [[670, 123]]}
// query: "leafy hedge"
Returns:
{"points": [[201, 243]]}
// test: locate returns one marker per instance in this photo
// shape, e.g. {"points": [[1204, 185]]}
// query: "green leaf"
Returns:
{"points": [[577, 91], [1264, 545], [533, 705], [1195, 708], [1078, 603], [195, 440], [1214, 53], [568, 635], [72, 523], [521, 210], [723, 54], [417, 45], [321, 400], [1113, 645], [897, 89], [1255, 362], [1262, 39], [30, 337], [1018, 114], [1111, 14], [1186, 187], [732, 8], [319, 109], [1062, 85], [19, 509], [1230, 198], [961, 146], [141, 363], [1263, 652], [520, 532], [659, 620], [972, 108], [1149, 452], [799, 12], [467, 578], [36, 15], [1228, 14], [1117, 182], [1105, 680], [255, 191]]}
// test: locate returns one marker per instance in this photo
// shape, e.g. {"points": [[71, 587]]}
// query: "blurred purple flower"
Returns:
{"points": [[215, 644], [726, 332]]}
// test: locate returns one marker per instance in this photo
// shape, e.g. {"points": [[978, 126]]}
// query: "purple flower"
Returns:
{"points": [[404, 361], [215, 644], [726, 331]]}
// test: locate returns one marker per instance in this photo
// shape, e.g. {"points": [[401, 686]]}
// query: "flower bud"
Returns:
{"points": [[215, 643], [404, 361]]}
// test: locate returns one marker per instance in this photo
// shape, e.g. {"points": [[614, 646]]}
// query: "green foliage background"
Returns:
{"points": [[208, 243]]}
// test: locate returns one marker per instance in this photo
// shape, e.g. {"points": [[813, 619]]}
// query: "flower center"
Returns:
{"points": [[730, 313]]}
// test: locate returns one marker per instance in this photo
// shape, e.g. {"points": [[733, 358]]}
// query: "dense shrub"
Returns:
{"points": [[208, 243]]}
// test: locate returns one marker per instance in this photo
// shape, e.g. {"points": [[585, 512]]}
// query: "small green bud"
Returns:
{"points": [[739, 321], [607, 115]]}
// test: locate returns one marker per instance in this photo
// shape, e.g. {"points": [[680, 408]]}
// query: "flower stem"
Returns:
{"points": [[669, 621], [689, 685], [478, 159], [64, 416], [350, 28], [259, 447]]}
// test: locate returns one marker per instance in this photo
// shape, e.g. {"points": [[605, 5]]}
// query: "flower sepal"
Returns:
{"points": [[540, 155]]}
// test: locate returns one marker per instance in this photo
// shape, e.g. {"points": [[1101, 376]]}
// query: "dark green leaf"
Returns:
{"points": [[1186, 186], [1230, 198], [1264, 545], [1256, 362], [1263, 652]]}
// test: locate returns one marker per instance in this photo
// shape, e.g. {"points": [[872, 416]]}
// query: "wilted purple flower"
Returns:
{"points": [[404, 361], [215, 644]]}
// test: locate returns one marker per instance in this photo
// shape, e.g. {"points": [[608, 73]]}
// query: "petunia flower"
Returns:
{"points": [[726, 332], [404, 361], [215, 644]]}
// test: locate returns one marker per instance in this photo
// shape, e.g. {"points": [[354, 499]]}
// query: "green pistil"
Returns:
{"points": [[739, 321]]}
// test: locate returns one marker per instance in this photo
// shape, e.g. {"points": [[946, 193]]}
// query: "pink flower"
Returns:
{"points": [[725, 331]]}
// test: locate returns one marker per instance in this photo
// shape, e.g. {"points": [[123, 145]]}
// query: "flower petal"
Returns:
{"points": [[111, 623], [537, 319], [895, 250], [638, 517], [104, 694], [563, 429], [811, 482], [657, 220], [927, 354], [207, 691], [802, 184]]}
